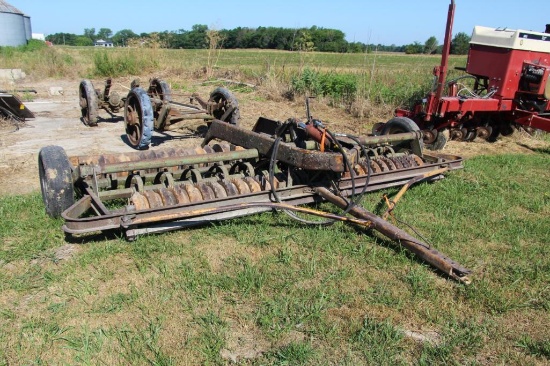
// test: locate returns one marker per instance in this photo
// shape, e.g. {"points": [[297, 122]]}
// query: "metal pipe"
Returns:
{"points": [[86, 170], [422, 250], [445, 52]]}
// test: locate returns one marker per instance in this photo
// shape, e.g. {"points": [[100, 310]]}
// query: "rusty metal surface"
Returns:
{"points": [[238, 189], [288, 153], [402, 238]]}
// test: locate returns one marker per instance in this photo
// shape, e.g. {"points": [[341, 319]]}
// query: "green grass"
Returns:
{"points": [[267, 290]]}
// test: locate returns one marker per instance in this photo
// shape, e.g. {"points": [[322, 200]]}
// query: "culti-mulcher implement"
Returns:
{"points": [[236, 172]]}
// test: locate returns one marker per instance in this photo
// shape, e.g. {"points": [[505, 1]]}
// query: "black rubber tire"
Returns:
{"points": [[56, 180], [160, 89], [440, 140], [229, 100], [138, 107], [506, 129], [399, 125], [88, 103]]}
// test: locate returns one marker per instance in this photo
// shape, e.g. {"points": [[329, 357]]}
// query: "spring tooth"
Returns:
{"points": [[153, 198], [167, 196], [241, 186], [206, 191], [139, 201], [193, 193], [218, 189], [253, 184], [181, 194]]}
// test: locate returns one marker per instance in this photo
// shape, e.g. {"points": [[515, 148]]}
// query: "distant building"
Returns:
{"points": [[15, 27], [39, 36], [102, 43]]}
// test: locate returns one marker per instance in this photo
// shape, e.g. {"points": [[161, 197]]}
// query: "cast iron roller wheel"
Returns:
{"points": [[56, 180], [159, 89], [227, 106], [138, 119], [88, 103]]}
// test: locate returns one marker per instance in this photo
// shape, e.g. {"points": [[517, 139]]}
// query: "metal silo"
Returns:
{"points": [[28, 29], [12, 26]]}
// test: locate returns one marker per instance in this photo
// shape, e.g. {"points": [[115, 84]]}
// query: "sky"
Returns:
{"points": [[387, 22]]}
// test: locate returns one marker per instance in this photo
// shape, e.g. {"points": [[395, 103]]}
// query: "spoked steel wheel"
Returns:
{"points": [[138, 119], [225, 106], [88, 103], [159, 89]]}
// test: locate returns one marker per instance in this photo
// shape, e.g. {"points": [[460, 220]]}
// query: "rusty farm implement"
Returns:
{"points": [[237, 172], [154, 109]]}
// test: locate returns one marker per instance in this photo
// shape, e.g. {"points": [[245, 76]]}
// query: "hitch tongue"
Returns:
{"points": [[402, 238]]}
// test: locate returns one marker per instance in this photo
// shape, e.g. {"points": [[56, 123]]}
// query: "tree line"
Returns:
{"points": [[289, 39]]}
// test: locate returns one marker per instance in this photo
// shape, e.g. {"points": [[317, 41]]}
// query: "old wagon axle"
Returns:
{"points": [[154, 109]]}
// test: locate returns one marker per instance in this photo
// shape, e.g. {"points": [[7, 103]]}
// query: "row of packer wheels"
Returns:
{"points": [[385, 164], [198, 192]]}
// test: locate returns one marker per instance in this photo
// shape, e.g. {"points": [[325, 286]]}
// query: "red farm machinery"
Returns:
{"points": [[509, 72]]}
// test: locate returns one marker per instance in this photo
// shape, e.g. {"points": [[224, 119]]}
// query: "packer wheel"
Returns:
{"points": [[226, 106], [56, 181], [138, 119], [88, 101]]}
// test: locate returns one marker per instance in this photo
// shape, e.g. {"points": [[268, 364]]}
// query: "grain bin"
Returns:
{"points": [[15, 27]]}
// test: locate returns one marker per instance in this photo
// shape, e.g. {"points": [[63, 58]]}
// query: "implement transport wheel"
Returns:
{"points": [[138, 119], [88, 103], [226, 106], [159, 89], [400, 125], [56, 181]]}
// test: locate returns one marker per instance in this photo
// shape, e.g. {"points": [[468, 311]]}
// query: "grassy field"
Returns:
{"points": [[265, 290], [380, 79]]}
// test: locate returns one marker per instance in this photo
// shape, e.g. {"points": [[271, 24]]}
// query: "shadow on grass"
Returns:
{"points": [[93, 237], [545, 150]]}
